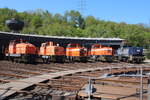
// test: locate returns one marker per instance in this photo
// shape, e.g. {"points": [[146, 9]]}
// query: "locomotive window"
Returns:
{"points": [[73, 45], [44, 45]]}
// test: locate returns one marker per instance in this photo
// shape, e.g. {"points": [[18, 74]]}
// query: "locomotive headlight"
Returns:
{"points": [[138, 50]]}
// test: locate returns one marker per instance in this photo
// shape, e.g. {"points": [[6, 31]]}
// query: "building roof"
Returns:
{"points": [[63, 37]]}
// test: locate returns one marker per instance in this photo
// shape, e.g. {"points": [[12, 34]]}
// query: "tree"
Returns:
{"points": [[72, 23], [75, 19]]}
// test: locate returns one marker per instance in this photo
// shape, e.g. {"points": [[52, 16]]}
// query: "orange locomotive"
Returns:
{"points": [[103, 53], [20, 50], [76, 51], [49, 51]]}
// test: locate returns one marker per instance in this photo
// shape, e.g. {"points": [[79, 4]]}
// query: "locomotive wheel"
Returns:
{"points": [[120, 58], [43, 60], [11, 59], [109, 60], [46, 60], [60, 59], [83, 59], [2, 52], [94, 58], [138, 61], [16, 60], [128, 61], [24, 59], [28, 59], [71, 59], [8, 58]]}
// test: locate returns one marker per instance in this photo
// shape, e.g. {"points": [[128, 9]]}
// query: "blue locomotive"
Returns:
{"points": [[131, 54]]}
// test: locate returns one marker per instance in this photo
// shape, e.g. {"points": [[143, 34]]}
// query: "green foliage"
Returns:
{"points": [[147, 54], [72, 23]]}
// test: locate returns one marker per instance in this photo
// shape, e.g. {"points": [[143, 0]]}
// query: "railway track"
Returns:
{"points": [[66, 85], [16, 71], [71, 85]]}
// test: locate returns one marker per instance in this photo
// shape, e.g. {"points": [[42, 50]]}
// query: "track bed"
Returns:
{"points": [[69, 80]]}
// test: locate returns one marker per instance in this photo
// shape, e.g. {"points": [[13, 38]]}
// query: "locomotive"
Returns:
{"points": [[102, 53], [130, 54], [50, 51], [76, 52], [20, 50]]}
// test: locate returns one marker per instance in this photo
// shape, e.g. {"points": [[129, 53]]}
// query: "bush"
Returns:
{"points": [[148, 53]]}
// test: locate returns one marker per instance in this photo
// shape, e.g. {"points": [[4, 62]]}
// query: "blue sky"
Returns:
{"points": [[129, 11]]}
